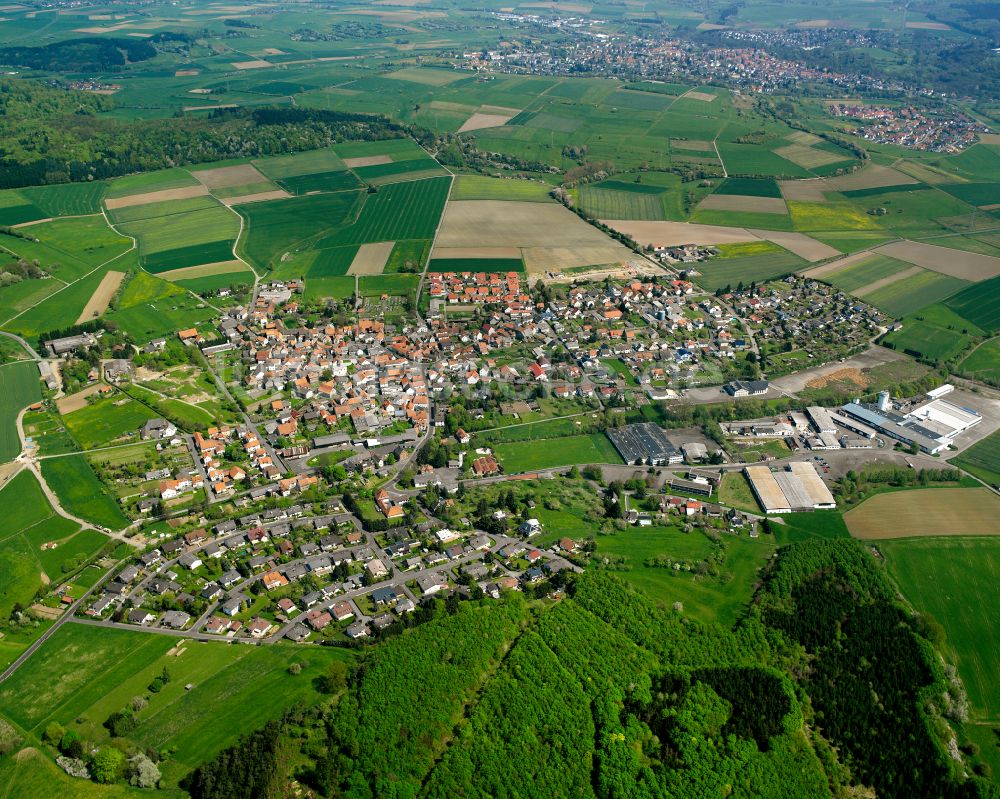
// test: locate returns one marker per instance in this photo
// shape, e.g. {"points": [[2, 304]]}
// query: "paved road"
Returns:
{"points": [[23, 343]]}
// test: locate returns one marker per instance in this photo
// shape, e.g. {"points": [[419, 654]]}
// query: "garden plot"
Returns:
{"points": [[370, 258], [956, 263], [549, 236]]}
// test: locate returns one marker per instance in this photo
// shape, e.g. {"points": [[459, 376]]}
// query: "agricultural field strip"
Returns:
{"points": [[82, 277]]}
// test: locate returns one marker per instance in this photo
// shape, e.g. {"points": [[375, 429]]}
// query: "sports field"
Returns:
{"points": [[92, 672], [19, 388], [923, 512], [525, 456], [80, 492], [957, 582]]}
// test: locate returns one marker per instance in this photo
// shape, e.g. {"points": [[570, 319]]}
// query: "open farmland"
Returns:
{"points": [[983, 459], [186, 239], [956, 263], [863, 272], [983, 363], [19, 388], [871, 176], [68, 199], [957, 582], [980, 304], [549, 236], [525, 456], [620, 200], [478, 187], [913, 292], [923, 512], [276, 227], [80, 492], [717, 273], [409, 210], [749, 187]]}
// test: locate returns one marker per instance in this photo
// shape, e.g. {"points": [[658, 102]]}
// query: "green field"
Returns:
{"points": [[80, 492], [980, 304], [974, 193], [983, 459], [927, 340], [32, 774], [957, 582], [618, 200], [186, 239], [407, 210], [379, 174], [749, 187], [67, 199], [721, 599], [912, 293], [718, 273], [104, 421], [408, 256], [525, 456], [865, 272], [320, 181], [93, 672], [19, 387], [983, 363], [476, 265], [311, 162], [830, 216], [277, 226], [478, 187]]}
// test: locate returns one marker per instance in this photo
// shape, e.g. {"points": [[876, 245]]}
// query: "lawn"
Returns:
{"points": [[735, 492], [19, 387], [106, 420], [525, 456], [620, 368], [708, 598], [983, 459], [957, 582], [80, 492], [92, 672], [32, 775]]}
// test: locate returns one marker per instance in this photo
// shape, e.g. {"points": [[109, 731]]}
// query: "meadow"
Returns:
{"points": [[983, 363], [928, 341], [32, 773], [19, 387], [982, 459], [106, 420], [615, 199], [479, 187], [80, 492], [92, 672], [525, 456], [720, 599], [956, 581]]}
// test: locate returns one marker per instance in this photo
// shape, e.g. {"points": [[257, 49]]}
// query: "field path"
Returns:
{"points": [[718, 155]]}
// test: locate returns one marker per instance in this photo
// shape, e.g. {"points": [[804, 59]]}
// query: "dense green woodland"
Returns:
{"points": [[827, 688], [55, 136]]}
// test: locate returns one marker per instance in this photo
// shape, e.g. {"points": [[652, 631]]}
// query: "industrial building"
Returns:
{"points": [[798, 488], [642, 444], [931, 426]]}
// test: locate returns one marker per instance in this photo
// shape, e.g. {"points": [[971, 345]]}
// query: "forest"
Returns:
{"points": [[827, 688], [51, 135]]}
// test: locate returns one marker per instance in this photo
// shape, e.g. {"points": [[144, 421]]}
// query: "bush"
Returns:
{"points": [[108, 765], [54, 733], [142, 772]]}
